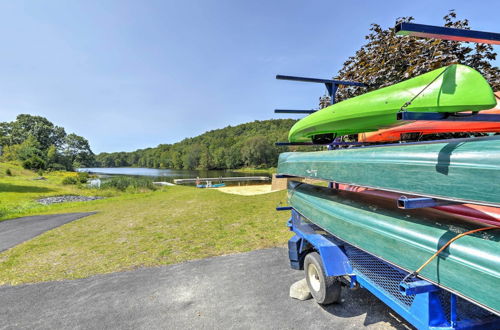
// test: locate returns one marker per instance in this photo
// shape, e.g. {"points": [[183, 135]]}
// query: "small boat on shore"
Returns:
{"points": [[209, 184]]}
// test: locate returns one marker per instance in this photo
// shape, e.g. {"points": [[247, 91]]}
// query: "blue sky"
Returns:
{"points": [[134, 74]]}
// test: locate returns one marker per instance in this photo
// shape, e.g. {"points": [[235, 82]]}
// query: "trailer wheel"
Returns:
{"points": [[324, 289]]}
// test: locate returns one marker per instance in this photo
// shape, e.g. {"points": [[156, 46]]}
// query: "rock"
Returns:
{"points": [[94, 183], [67, 198], [299, 290]]}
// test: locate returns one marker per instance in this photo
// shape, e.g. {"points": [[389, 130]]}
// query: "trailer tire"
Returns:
{"points": [[324, 289]]}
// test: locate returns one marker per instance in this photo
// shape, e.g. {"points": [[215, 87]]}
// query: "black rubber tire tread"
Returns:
{"points": [[330, 286]]}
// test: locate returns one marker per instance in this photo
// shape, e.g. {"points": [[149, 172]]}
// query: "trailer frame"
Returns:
{"points": [[421, 303]]}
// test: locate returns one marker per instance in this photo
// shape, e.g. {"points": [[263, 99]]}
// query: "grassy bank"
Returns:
{"points": [[20, 189], [134, 230]]}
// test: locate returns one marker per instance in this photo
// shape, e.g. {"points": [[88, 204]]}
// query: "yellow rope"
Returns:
{"points": [[415, 273]]}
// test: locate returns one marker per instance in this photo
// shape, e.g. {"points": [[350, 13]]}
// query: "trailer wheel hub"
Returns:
{"points": [[312, 273]]}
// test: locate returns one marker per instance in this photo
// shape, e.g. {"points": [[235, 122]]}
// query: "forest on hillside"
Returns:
{"points": [[245, 145]]}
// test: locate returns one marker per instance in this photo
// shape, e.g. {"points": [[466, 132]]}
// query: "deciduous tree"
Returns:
{"points": [[77, 150], [387, 58]]}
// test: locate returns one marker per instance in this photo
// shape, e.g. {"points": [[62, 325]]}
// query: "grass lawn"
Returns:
{"points": [[19, 192], [134, 230]]}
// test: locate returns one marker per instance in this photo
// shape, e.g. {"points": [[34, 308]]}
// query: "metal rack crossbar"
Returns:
{"points": [[330, 84], [447, 33]]}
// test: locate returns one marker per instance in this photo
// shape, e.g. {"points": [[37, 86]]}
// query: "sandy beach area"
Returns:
{"points": [[247, 190]]}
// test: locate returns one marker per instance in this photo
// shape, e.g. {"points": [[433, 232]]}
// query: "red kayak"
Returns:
{"points": [[478, 213], [432, 127]]}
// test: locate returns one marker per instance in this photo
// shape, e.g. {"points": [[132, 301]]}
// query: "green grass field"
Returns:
{"points": [[19, 192], [133, 230]]}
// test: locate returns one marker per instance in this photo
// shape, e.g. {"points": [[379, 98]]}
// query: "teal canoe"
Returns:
{"points": [[469, 267], [466, 170], [454, 88]]}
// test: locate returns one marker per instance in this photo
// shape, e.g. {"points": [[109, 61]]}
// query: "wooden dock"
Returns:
{"points": [[227, 179]]}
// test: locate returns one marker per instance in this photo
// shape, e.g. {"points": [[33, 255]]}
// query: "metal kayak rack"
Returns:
{"points": [[446, 33], [420, 302], [446, 116], [406, 29], [330, 84], [332, 87]]}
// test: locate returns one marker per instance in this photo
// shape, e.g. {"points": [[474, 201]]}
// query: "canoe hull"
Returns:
{"points": [[470, 212], [454, 88], [465, 171], [407, 239]]}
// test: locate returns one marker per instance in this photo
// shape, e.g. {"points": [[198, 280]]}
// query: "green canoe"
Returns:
{"points": [[454, 88], [466, 170], [470, 266]]}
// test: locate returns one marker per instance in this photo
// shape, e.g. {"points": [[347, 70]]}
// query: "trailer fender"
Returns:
{"points": [[298, 248], [334, 259]]}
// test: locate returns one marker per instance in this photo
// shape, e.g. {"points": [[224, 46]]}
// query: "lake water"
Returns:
{"points": [[167, 174]]}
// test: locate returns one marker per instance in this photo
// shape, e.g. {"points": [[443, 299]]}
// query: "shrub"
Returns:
{"points": [[34, 163], [8, 172], [128, 183], [70, 180], [27, 164], [57, 167], [83, 177]]}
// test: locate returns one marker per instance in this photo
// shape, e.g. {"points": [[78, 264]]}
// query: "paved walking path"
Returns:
{"points": [[16, 231]]}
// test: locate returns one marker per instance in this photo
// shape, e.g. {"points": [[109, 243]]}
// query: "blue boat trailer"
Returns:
{"points": [[421, 303]]}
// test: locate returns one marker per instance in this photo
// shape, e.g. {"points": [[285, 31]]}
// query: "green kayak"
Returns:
{"points": [[454, 88], [470, 266], [466, 170]]}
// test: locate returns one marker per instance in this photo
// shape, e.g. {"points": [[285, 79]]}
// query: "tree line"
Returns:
{"points": [[40, 145], [232, 147]]}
